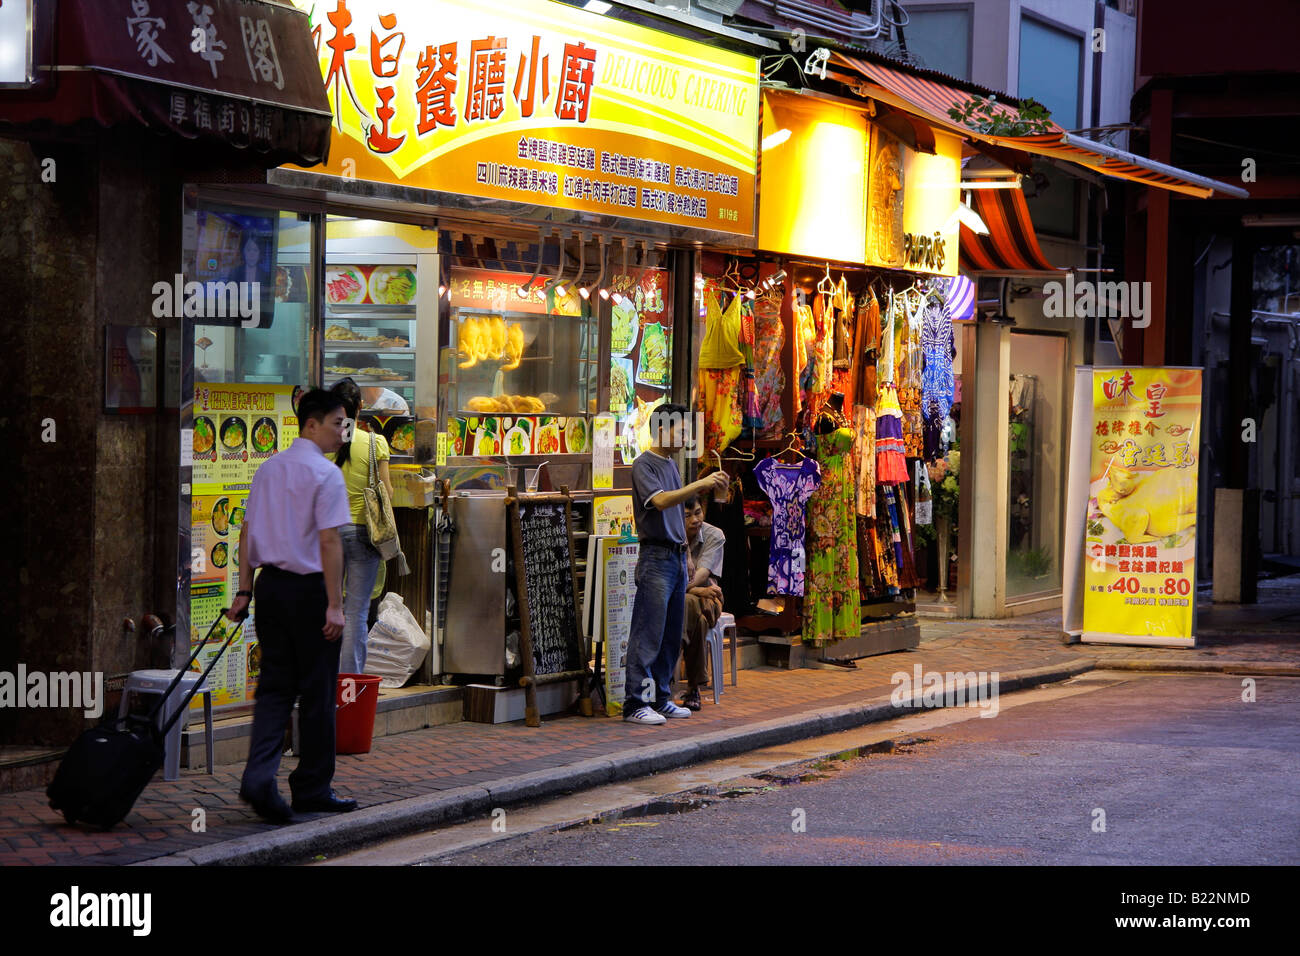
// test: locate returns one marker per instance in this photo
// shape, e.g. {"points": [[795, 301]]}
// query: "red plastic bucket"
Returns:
{"points": [[354, 724]]}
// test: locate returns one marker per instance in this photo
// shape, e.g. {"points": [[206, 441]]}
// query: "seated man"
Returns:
{"points": [[704, 545]]}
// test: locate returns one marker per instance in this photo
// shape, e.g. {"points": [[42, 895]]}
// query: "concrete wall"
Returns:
{"points": [[93, 514]]}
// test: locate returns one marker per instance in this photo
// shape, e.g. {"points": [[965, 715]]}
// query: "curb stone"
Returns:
{"points": [[299, 842], [1263, 668]]}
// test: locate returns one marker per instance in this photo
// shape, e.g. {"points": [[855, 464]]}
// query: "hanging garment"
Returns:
{"points": [[904, 561], [937, 384], [866, 343], [789, 488], [883, 541], [750, 417], [842, 351], [720, 347], [885, 356], [891, 463], [804, 344], [718, 396], [823, 353], [730, 519], [769, 339], [832, 607], [864, 454], [908, 379]]}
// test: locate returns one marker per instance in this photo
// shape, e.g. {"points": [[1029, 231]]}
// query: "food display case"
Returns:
{"points": [[370, 328], [520, 371]]}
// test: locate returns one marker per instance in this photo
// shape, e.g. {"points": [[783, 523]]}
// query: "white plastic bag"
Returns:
{"points": [[924, 498], [396, 645]]}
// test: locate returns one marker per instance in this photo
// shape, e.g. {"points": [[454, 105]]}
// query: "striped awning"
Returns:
{"points": [[932, 99], [1010, 248]]}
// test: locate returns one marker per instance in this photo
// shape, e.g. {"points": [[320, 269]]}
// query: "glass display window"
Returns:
{"points": [[375, 288], [252, 311]]}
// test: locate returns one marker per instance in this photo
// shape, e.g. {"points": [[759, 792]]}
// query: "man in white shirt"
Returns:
{"points": [[290, 535], [384, 399]]}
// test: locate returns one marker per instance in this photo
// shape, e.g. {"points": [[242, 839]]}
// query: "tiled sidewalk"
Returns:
{"points": [[466, 754]]}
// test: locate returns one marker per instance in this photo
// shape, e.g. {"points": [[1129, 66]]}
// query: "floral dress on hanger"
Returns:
{"points": [[937, 385], [750, 417], [721, 368], [832, 609], [769, 339], [789, 488]]}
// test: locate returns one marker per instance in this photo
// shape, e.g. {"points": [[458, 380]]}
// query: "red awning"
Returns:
{"points": [[242, 73], [1010, 248], [932, 99]]}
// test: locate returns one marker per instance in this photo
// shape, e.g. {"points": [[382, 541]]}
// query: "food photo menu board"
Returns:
{"points": [[641, 361], [236, 428], [239, 426]]}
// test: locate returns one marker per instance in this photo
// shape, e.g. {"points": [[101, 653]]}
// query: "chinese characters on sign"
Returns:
{"points": [[469, 99]]}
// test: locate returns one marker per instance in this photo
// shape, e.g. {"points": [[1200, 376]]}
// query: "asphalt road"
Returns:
{"points": [[1184, 771]]}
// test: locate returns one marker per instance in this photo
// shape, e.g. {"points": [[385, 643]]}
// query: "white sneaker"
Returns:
{"points": [[669, 709], [644, 715]]}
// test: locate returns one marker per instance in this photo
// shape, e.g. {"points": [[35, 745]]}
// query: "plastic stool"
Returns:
{"points": [[156, 683]]}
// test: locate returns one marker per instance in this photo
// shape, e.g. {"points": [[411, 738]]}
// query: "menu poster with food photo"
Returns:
{"points": [[205, 449], [610, 513], [240, 248], [622, 391], [369, 285], [228, 681], [619, 563], [232, 444], [654, 363]]}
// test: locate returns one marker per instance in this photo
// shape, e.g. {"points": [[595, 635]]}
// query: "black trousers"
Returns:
{"points": [[297, 664]]}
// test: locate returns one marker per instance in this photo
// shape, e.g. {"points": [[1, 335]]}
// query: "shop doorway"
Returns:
{"points": [[1037, 405]]}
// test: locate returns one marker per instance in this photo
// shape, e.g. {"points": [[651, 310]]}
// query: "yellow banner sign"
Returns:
{"points": [[1141, 527], [540, 103]]}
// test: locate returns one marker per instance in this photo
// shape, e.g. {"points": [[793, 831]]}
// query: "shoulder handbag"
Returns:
{"points": [[379, 517]]}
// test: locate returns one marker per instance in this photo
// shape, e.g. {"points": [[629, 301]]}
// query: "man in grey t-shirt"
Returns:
{"points": [[657, 612]]}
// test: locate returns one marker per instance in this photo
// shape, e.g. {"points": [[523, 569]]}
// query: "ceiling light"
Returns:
{"points": [[442, 290], [598, 6], [585, 292], [618, 298], [604, 293], [560, 291], [776, 139]]}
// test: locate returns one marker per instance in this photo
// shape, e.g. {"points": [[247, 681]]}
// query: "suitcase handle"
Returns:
{"points": [[180, 675]]}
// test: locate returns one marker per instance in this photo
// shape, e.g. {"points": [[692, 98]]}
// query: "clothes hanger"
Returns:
{"points": [[794, 437], [735, 454]]}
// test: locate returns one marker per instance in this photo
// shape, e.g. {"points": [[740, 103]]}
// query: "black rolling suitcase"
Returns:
{"points": [[107, 768]]}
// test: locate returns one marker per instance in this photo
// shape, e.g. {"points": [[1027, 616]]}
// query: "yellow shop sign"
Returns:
{"points": [[540, 103]]}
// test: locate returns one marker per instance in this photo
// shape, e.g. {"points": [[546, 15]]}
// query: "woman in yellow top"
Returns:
{"points": [[361, 559]]}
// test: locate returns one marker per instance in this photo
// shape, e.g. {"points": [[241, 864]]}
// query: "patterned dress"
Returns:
{"points": [[832, 609], [789, 488], [769, 339]]}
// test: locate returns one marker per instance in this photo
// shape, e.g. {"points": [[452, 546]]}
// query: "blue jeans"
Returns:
{"points": [[656, 631], [360, 569]]}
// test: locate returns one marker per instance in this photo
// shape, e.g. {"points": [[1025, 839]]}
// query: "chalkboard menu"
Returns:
{"points": [[544, 570]]}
